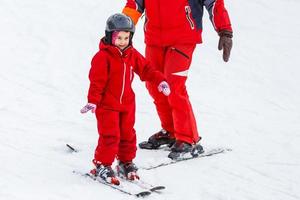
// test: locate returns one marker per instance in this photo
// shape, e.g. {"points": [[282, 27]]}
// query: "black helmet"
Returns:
{"points": [[118, 22]]}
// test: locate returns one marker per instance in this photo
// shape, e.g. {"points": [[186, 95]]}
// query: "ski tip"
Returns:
{"points": [[71, 148], [143, 194], [156, 188], [228, 149]]}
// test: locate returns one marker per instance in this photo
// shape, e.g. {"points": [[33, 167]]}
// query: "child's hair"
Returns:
{"points": [[118, 22]]}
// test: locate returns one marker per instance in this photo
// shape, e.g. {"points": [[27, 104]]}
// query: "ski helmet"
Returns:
{"points": [[118, 22]]}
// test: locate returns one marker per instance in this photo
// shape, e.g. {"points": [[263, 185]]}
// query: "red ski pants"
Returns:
{"points": [[175, 111], [117, 136]]}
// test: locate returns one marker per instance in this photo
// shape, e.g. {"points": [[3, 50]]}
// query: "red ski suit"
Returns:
{"points": [[111, 75], [172, 30]]}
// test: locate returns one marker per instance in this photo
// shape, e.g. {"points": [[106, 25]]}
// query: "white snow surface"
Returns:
{"points": [[250, 104]]}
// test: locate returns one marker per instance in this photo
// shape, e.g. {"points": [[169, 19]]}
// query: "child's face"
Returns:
{"points": [[121, 39]]}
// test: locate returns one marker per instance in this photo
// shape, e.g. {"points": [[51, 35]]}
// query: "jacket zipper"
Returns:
{"points": [[131, 75], [188, 16], [180, 52], [123, 85]]}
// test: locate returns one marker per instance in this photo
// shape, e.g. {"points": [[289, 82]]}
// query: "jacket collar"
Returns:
{"points": [[113, 49]]}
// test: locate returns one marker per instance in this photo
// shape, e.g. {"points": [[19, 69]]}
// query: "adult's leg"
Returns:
{"points": [[156, 55], [178, 59]]}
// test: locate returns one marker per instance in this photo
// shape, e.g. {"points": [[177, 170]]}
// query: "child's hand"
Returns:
{"points": [[88, 107], [164, 88]]}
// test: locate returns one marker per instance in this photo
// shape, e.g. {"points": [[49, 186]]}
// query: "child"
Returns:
{"points": [[111, 97]]}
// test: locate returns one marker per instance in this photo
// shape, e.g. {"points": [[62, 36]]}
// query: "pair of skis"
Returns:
{"points": [[144, 188]]}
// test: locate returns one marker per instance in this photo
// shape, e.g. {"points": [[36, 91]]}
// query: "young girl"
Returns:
{"points": [[111, 97]]}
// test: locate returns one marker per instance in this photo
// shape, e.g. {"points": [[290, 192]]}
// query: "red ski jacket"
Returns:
{"points": [[111, 75], [170, 22]]}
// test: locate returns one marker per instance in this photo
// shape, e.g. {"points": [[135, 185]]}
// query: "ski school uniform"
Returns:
{"points": [[111, 75]]}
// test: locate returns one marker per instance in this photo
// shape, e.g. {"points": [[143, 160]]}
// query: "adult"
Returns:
{"points": [[172, 30]]}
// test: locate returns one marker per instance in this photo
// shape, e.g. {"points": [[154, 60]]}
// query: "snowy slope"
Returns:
{"points": [[250, 104]]}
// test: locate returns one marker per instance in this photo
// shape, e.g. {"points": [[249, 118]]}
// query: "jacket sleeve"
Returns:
{"points": [[146, 72], [134, 9], [98, 77], [218, 15]]}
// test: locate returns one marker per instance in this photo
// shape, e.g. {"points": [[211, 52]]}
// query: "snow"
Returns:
{"points": [[250, 104]]}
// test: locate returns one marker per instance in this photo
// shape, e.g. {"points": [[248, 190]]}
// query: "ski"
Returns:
{"points": [[71, 148], [144, 185], [186, 157], [148, 186], [121, 188]]}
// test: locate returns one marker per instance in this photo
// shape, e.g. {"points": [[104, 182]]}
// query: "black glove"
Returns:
{"points": [[225, 43]]}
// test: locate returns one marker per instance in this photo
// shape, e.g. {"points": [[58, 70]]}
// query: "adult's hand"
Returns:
{"points": [[225, 43]]}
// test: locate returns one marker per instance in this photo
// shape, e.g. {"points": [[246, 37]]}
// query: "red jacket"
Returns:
{"points": [[170, 22], [111, 75]]}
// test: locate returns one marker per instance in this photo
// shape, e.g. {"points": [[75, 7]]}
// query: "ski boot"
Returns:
{"points": [[160, 138], [183, 149], [105, 173], [127, 170]]}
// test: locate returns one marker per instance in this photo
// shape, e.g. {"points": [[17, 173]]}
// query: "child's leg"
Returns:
{"points": [[109, 136], [127, 146]]}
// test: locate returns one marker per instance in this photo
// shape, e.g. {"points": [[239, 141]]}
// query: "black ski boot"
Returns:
{"points": [[106, 173], [162, 137], [183, 149], [127, 170]]}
